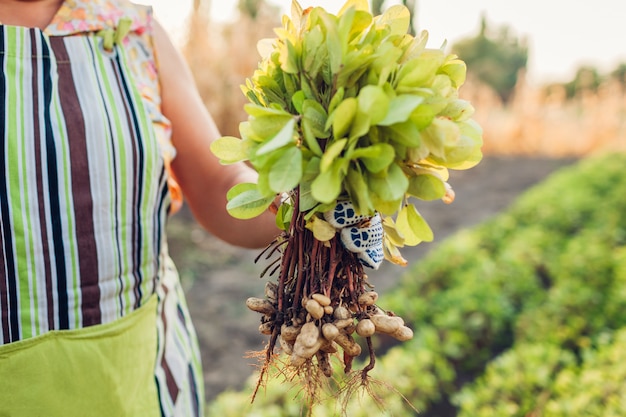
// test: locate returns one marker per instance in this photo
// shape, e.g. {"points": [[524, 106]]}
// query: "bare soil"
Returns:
{"points": [[219, 277]]}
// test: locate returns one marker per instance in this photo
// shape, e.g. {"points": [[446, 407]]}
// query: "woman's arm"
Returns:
{"points": [[203, 179]]}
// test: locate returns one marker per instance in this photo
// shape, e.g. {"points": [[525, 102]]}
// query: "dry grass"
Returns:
{"points": [[541, 123], [221, 57], [534, 123]]}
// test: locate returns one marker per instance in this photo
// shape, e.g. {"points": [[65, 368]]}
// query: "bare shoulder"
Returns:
{"points": [[170, 62]]}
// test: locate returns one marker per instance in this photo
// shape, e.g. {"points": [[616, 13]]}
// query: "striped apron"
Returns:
{"points": [[92, 316]]}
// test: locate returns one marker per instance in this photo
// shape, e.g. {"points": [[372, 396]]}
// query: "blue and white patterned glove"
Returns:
{"points": [[362, 235]]}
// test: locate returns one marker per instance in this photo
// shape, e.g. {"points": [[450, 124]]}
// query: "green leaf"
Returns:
{"points": [[333, 43], [376, 157], [440, 134], [290, 85], [386, 61], [344, 25], [343, 116], [282, 138], [331, 153], [336, 100], [327, 186], [401, 108], [362, 20], [313, 54], [405, 133], [398, 18], [316, 116], [263, 183], [355, 64], [255, 110], [309, 138], [356, 186], [263, 129], [229, 150], [247, 133], [306, 88], [298, 100], [385, 207], [240, 188], [289, 57], [283, 216], [360, 126], [248, 203], [413, 227], [357, 4], [456, 70], [286, 172], [426, 187], [374, 102], [471, 136], [458, 110], [390, 187], [420, 71]]}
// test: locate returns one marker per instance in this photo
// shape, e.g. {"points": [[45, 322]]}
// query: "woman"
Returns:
{"points": [[102, 128]]}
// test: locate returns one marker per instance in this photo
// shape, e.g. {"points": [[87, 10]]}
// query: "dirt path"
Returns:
{"points": [[218, 278]]}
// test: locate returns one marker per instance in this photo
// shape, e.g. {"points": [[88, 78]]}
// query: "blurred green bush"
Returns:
{"points": [[519, 316]]}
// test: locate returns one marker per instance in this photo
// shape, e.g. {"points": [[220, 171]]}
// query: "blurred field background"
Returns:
{"points": [[530, 130]]}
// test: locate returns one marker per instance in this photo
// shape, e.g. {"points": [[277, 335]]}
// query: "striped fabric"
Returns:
{"points": [[84, 196]]}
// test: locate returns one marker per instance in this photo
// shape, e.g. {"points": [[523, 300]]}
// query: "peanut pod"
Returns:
{"points": [[343, 323], [368, 298], [321, 299], [289, 333], [266, 328], [306, 345], [365, 328], [403, 334], [330, 331], [341, 313], [260, 305], [314, 309], [285, 345], [386, 324], [347, 343]]}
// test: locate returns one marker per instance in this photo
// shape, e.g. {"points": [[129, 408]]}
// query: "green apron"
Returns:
{"points": [[65, 373]]}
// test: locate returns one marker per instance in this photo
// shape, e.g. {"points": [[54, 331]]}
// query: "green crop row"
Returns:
{"points": [[519, 315]]}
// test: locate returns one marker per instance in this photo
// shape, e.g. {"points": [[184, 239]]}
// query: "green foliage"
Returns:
{"points": [[586, 79], [619, 73], [518, 383], [543, 379], [595, 389], [541, 287], [548, 272], [495, 59], [353, 107]]}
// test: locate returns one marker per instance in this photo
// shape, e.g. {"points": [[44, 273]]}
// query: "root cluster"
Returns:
{"points": [[320, 302]]}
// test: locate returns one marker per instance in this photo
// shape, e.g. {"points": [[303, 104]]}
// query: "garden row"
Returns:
{"points": [[522, 315]]}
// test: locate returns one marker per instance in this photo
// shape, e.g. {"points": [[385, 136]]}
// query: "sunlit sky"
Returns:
{"points": [[561, 34]]}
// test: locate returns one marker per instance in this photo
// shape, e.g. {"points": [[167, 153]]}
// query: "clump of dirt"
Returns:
{"points": [[218, 278]]}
